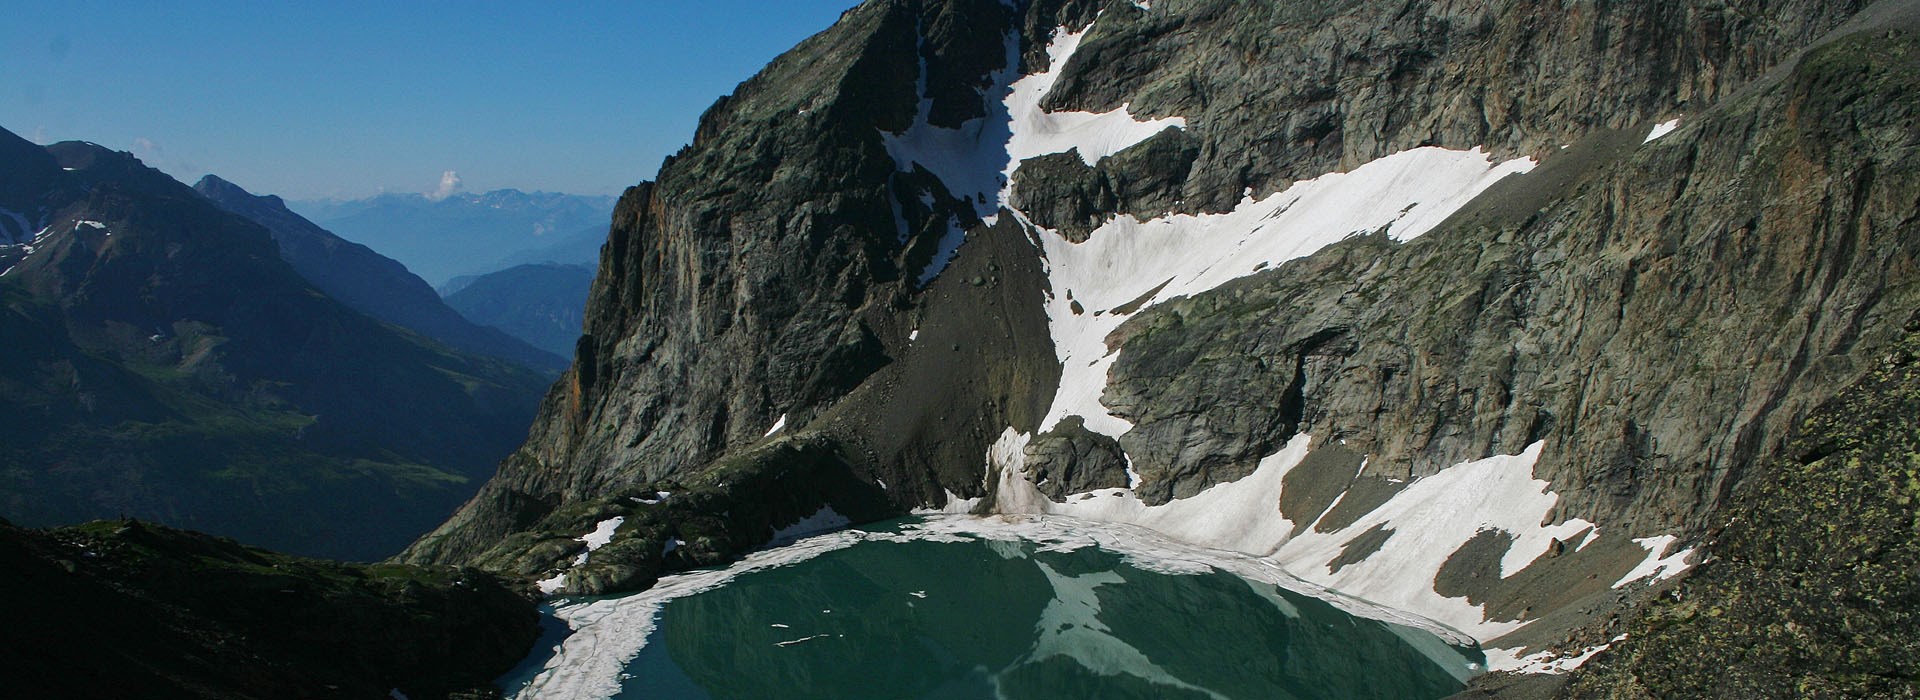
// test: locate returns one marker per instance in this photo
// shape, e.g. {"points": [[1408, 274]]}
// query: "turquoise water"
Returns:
{"points": [[984, 619]]}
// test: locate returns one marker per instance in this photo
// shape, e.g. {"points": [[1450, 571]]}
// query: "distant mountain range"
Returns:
{"points": [[543, 304], [372, 283], [165, 362], [439, 238]]}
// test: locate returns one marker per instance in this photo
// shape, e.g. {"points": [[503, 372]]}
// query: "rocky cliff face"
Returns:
{"points": [[1119, 257]]}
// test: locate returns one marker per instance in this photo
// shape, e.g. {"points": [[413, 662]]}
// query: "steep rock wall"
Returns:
{"points": [[1630, 325]]}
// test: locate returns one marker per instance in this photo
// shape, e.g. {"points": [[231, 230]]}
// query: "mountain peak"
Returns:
{"points": [[220, 189], [82, 155]]}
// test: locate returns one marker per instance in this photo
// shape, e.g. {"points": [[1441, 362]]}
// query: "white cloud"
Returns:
{"points": [[449, 184]]}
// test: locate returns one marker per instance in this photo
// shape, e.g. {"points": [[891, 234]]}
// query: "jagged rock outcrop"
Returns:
{"points": [[1618, 337]]}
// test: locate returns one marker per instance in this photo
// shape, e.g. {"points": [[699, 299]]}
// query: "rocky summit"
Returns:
{"points": [[1508, 314]]}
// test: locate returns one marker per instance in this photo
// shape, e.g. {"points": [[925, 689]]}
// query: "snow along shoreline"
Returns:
{"points": [[608, 633]]}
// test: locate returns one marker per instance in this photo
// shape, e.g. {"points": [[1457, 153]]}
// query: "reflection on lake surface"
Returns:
{"points": [[960, 617]]}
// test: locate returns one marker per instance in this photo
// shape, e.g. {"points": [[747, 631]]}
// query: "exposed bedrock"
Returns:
{"points": [[1656, 312]]}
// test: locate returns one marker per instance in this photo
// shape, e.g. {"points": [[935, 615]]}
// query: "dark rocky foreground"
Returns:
{"points": [[126, 609]]}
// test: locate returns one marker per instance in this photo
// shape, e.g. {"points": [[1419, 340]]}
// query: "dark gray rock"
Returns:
{"points": [[1615, 303], [1071, 459], [1061, 192], [765, 274], [1278, 91]]}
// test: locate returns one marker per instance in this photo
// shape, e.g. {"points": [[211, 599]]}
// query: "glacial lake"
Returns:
{"points": [[965, 610]]}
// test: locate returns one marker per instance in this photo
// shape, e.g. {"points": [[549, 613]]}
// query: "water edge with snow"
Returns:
{"points": [[994, 607]]}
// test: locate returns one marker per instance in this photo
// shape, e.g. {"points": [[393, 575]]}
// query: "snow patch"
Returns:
{"points": [[1127, 260], [1542, 662], [777, 426], [601, 535], [1037, 132], [658, 498], [1592, 535], [1662, 129], [553, 584], [1657, 565], [976, 160], [1430, 519], [1241, 516], [954, 505]]}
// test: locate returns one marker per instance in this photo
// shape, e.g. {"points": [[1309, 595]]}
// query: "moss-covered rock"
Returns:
{"points": [[1815, 587]]}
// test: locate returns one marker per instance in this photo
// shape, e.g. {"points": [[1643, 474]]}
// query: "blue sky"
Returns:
{"points": [[346, 99]]}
